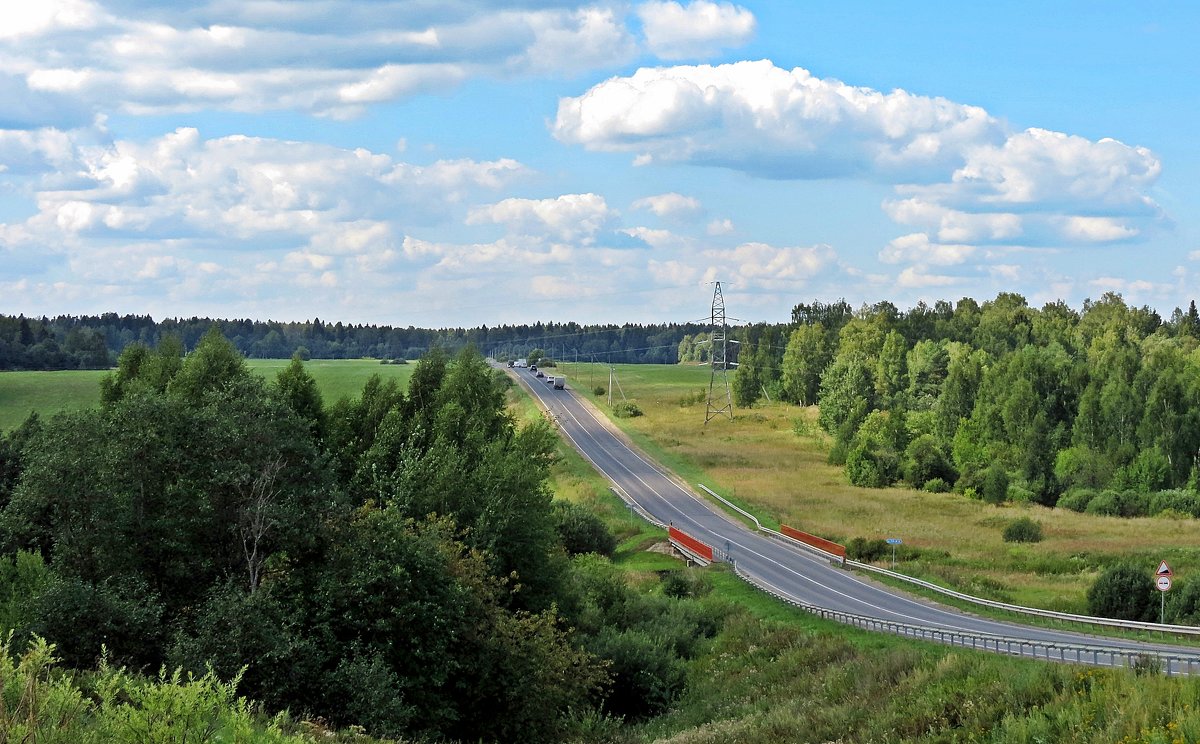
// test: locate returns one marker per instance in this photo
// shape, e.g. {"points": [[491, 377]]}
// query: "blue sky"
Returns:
{"points": [[464, 162]]}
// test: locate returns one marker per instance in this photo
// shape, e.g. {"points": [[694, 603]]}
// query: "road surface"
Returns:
{"points": [[787, 570]]}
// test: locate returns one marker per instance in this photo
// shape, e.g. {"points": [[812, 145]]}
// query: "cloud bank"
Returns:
{"points": [[961, 177], [66, 59]]}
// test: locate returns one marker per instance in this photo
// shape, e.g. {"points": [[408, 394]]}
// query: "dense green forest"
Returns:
{"points": [[393, 561], [1095, 410], [93, 342]]}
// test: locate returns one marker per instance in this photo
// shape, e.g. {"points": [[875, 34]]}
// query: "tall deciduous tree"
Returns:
{"points": [[805, 358]]}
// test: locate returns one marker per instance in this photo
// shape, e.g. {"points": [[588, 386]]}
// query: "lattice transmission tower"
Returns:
{"points": [[723, 405]]}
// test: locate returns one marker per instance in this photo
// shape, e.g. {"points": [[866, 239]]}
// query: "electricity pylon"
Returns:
{"points": [[719, 361]]}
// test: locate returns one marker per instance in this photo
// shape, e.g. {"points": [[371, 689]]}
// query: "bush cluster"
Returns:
{"points": [[1131, 503], [870, 550], [1023, 529], [645, 638], [626, 409], [581, 531]]}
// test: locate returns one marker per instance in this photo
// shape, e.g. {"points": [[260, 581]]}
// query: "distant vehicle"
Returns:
{"points": [[539, 374], [533, 368], [520, 363], [560, 382], [510, 363], [550, 380]]}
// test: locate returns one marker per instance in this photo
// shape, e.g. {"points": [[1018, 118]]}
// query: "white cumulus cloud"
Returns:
{"points": [[331, 58], [766, 266], [229, 216], [671, 206], [916, 248], [570, 217], [960, 175], [764, 120], [698, 29], [915, 277]]}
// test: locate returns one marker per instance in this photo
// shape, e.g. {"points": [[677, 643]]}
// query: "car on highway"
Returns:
{"points": [[539, 374]]}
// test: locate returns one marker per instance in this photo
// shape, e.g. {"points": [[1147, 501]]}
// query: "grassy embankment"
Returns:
{"points": [[778, 674], [761, 462], [51, 392]]}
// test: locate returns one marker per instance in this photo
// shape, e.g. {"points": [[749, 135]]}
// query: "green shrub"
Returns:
{"points": [[22, 577], [685, 584], [866, 550], [1077, 499], [1023, 530], [802, 426], [599, 390], [370, 693], [1183, 603], [252, 636], [626, 409], [1123, 591], [1019, 495], [581, 531], [646, 677], [1176, 500], [38, 703], [1105, 504], [123, 616], [1134, 504], [924, 460], [995, 484], [936, 485]]}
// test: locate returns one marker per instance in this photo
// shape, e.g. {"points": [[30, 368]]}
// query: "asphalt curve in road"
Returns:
{"points": [[792, 572]]}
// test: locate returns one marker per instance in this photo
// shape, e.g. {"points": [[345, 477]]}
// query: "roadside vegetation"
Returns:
{"points": [[772, 459], [661, 653], [774, 673]]}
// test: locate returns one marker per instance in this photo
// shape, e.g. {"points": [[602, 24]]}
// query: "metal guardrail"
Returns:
{"points": [[1052, 614], [774, 533], [637, 508], [1019, 609], [1078, 653]]}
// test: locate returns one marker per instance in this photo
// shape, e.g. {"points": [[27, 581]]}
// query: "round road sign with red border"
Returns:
{"points": [[1163, 583]]}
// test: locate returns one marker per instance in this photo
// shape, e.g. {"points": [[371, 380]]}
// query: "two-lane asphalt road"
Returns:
{"points": [[790, 571]]}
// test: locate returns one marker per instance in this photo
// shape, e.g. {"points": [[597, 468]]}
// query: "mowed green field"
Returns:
{"points": [[51, 392], [761, 461]]}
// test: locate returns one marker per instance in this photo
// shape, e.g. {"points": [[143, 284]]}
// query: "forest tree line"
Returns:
{"points": [[1096, 410], [95, 341], [393, 561]]}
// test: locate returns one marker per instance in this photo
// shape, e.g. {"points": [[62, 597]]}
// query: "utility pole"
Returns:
{"points": [[719, 361]]}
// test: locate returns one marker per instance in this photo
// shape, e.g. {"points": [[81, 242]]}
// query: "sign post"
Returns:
{"points": [[1162, 582], [894, 541]]}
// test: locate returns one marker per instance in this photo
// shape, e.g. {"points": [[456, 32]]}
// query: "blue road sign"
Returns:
{"points": [[894, 541]]}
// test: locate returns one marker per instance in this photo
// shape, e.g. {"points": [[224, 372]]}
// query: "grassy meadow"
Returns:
{"points": [[51, 392], [772, 460]]}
